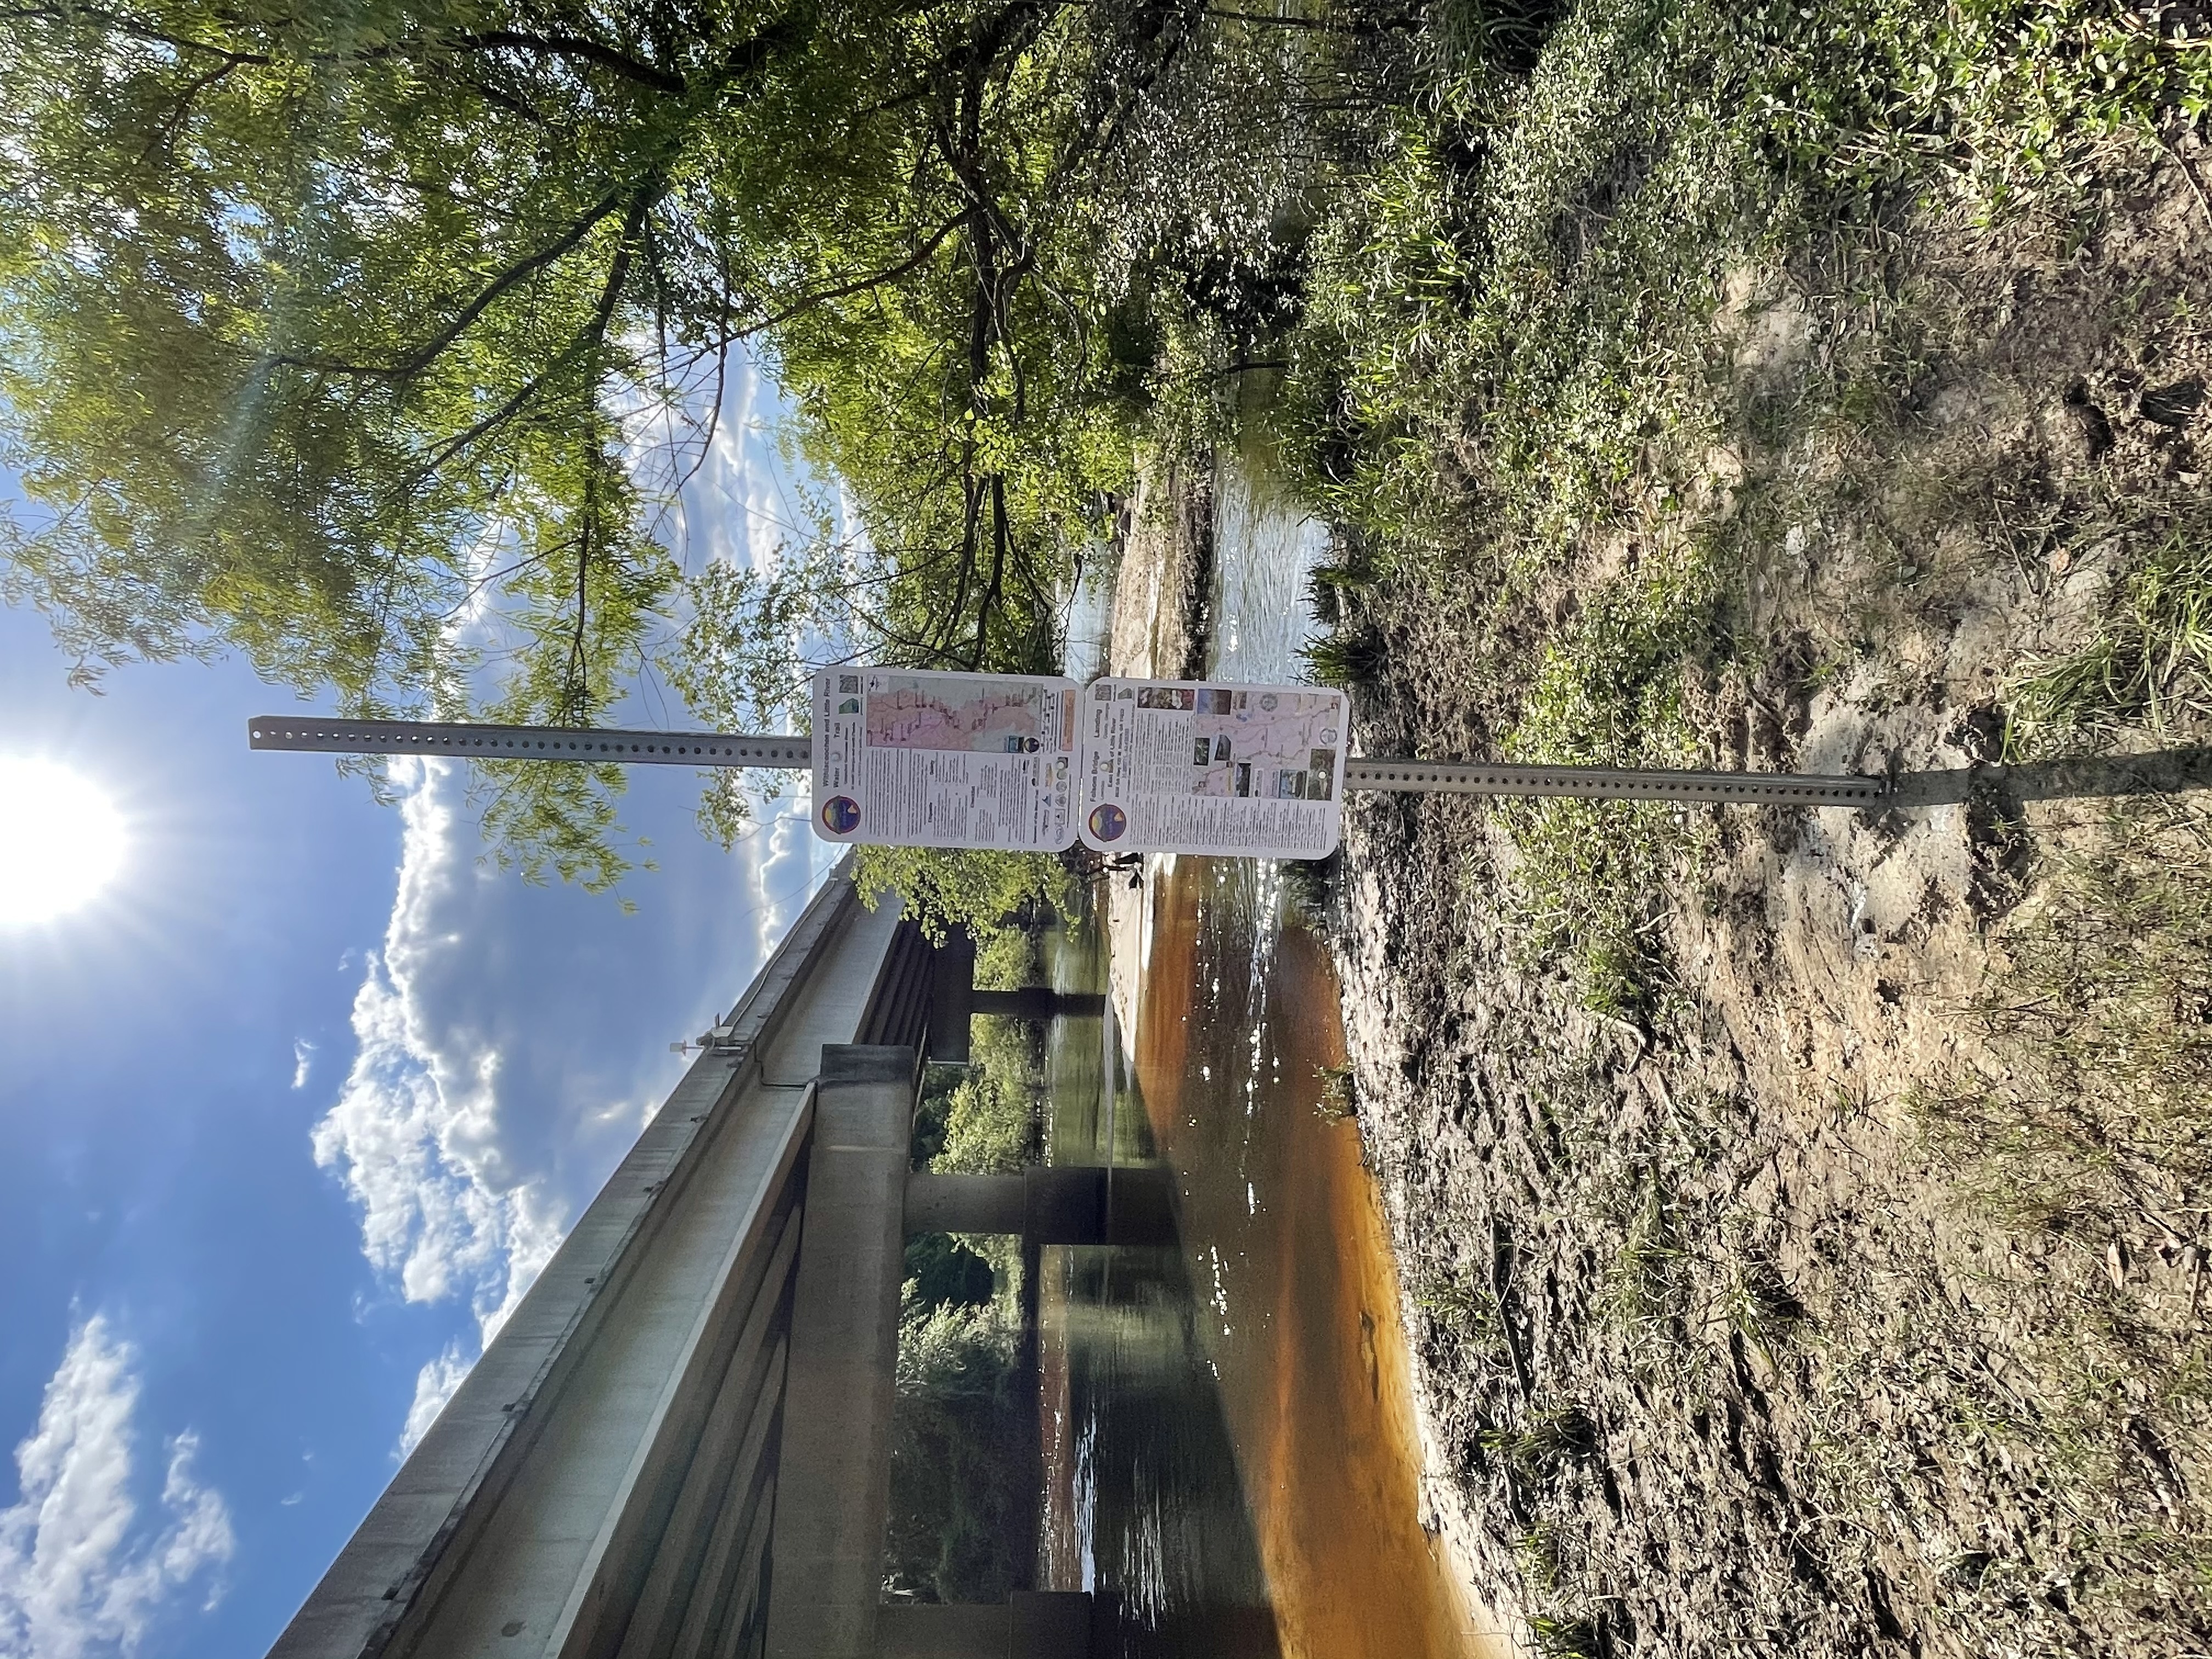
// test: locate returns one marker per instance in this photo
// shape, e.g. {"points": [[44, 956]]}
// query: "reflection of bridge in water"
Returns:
{"points": [[679, 1445]]}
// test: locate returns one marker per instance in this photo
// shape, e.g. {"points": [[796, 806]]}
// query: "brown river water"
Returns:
{"points": [[1232, 1443], [1232, 1453]]}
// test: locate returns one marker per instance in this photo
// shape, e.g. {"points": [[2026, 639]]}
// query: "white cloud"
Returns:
{"points": [[510, 1041], [78, 1574], [417, 1129], [303, 1061], [434, 1386]]}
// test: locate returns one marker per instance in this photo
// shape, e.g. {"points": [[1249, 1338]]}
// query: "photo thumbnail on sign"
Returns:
{"points": [[1186, 766], [909, 758]]}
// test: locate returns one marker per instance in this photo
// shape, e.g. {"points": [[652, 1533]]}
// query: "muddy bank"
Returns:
{"points": [[1163, 548], [1749, 1307], [1770, 1279]]}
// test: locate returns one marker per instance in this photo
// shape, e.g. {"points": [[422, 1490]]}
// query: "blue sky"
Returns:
{"points": [[289, 1114]]}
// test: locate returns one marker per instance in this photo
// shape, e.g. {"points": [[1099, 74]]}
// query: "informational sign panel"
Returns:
{"points": [[1182, 765], [910, 759]]}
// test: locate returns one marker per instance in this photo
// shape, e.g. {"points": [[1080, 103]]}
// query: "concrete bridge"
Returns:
{"points": [[679, 1445]]}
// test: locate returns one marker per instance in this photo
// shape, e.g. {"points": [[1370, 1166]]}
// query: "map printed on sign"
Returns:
{"points": [[904, 758], [1176, 766]]}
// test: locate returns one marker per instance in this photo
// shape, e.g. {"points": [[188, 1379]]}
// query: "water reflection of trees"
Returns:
{"points": [[964, 1450]]}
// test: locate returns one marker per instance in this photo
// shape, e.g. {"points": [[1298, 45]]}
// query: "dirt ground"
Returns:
{"points": [[1734, 1328]]}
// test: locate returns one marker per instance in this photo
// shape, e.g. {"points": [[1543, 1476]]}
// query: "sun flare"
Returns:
{"points": [[61, 840]]}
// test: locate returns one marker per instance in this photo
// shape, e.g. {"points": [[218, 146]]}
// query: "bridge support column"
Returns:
{"points": [[1037, 1002], [832, 1490], [1054, 1204], [954, 1000], [1033, 1624]]}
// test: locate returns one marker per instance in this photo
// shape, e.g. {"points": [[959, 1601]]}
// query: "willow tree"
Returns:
{"points": [[330, 334]]}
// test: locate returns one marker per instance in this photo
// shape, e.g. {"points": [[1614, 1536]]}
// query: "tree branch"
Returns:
{"points": [[560, 45], [843, 291], [416, 361]]}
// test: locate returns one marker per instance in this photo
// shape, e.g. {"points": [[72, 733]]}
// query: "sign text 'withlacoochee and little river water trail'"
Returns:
{"points": [[1031, 763]]}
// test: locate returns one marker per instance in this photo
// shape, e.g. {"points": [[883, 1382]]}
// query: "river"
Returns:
{"points": [[1231, 1445]]}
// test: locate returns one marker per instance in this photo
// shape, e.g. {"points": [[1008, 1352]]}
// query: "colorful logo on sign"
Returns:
{"points": [[841, 814], [1109, 822]]}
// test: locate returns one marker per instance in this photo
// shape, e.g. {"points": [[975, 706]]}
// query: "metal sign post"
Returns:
{"points": [[791, 752], [324, 734], [1614, 783]]}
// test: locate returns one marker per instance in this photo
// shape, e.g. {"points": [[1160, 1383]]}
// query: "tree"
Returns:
{"points": [[336, 336]]}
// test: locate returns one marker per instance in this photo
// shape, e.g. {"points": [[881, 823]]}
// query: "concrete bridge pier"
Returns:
{"points": [[835, 1493], [954, 1000], [1049, 1203]]}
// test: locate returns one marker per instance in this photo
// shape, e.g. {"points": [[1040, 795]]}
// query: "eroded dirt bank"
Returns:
{"points": [[1785, 1267]]}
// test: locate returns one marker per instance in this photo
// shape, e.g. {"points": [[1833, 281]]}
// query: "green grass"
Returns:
{"points": [[2087, 1161], [1593, 877], [1565, 1636], [1347, 660], [2103, 1129], [1516, 352], [1648, 1288], [2149, 665]]}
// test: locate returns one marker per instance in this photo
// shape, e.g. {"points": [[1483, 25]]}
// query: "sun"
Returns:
{"points": [[61, 841]]}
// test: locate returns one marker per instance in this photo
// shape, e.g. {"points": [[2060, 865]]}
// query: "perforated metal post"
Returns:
{"points": [[791, 752], [323, 734], [1611, 783]]}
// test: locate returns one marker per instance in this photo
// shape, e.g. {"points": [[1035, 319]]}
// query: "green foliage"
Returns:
{"points": [[1565, 1636], [311, 330], [988, 1129], [2150, 662], [947, 888], [1552, 1438], [960, 1466], [2001, 103], [1517, 291], [941, 1271], [1608, 692], [959, 1463], [556, 818], [1494, 37], [1507, 368], [1345, 660], [1649, 1285], [992, 1117], [1010, 958], [360, 345]]}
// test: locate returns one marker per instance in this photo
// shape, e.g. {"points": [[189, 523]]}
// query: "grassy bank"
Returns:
{"points": [[1600, 343]]}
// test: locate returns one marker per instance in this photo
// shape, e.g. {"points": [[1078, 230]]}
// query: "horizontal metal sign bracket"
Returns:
{"points": [[329, 736]]}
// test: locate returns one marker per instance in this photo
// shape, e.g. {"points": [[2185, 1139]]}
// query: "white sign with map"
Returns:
{"points": [[1182, 765], [904, 758]]}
